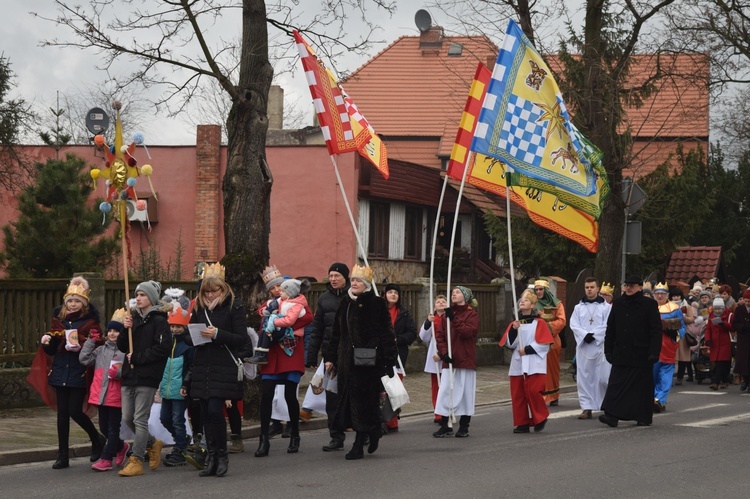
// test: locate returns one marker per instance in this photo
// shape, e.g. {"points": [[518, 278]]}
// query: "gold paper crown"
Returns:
{"points": [[607, 288], [661, 286], [541, 283], [213, 270], [361, 272], [270, 273], [78, 287], [119, 315]]}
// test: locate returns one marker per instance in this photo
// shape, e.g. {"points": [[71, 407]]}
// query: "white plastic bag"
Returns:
{"points": [[396, 391]]}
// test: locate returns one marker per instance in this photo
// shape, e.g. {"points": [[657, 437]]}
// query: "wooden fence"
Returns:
{"points": [[26, 309]]}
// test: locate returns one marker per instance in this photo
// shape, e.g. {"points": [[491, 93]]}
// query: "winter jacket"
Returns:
{"points": [[464, 331], [176, 369], [362, 323], [297, 318], [67, 370], [151, 344], [634, 333], [406, 332], [103, 390], [322, 324], [718, 336], [213, 372], [741, 324]]}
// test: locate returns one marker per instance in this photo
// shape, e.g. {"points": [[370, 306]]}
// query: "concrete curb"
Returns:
{"points": [[8, 458]]}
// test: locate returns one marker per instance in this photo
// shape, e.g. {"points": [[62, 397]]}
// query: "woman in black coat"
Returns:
{"points": [[405, 330], [362, 321], [215, 375]]}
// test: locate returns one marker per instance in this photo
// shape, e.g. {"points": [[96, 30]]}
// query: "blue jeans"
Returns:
{"points": [[172, 416], [136, 409]]}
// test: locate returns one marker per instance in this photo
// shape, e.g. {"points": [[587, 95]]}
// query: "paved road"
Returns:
{"points": [[699, 447]]}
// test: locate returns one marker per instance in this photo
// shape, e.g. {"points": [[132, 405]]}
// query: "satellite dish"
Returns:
{"points": [[423, 20], [97, 120]]}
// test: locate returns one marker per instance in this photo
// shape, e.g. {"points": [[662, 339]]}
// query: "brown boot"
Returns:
{"points": [[154, 454], [586, 414], [133, 468]]}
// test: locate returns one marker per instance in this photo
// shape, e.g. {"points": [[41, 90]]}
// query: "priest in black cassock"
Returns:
{"points": [[632, 345]]}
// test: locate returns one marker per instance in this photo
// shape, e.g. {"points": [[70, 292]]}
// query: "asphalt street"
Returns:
{"points": [[699, 447]]}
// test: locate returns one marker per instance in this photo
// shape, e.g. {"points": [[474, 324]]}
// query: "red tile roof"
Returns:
{"points": [[688, 261], [409, 92]]}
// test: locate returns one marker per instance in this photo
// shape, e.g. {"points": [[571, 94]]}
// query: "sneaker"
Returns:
{"points": [[195, 460], [102, 465], [236, 445], [444, 431], [305, 415], [462, 433], [154, 454], [133, 468], [122, 454], [175, 458], [196, 443], [260, 358]]}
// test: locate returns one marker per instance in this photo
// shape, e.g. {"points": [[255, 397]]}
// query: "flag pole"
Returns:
{"points": [[432, 266], [448, 281], [362, 249], [123, 220], [508, 171]]}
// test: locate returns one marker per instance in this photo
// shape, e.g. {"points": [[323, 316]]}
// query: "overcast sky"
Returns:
{"points": [[41, 71]]}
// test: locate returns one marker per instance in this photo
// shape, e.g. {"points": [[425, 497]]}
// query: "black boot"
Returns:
{"points": [[222, 465], [357, 451], [62, 461], [97, 447], [374, 440], [263, 446], [293, 445], [463, 427], [209, 469]]}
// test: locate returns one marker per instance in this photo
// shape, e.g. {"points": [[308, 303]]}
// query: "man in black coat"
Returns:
{"points": [[322, 325], [632, 345]]}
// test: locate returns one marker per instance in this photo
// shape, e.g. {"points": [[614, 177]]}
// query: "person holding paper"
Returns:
{"points": [[76, 317], [530, 339], [216, 374]]}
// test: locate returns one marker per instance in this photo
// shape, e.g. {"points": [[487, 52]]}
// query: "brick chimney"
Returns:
{"points": [[276, 108], [431, 40], [208, 193]]}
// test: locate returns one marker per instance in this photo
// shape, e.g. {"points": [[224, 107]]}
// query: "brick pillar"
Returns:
{"points": [[208, 193]]}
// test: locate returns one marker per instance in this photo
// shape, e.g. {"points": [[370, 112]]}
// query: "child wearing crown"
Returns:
{"points": [[104, 393], [72, 324]]}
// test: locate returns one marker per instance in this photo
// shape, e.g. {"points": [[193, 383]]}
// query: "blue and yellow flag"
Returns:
{"points": [[524, 121]]}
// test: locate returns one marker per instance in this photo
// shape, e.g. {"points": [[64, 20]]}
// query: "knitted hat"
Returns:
{"points": [[176, 295], [718, 303], [291, 287], [704, 293], [468, 295], [117, 320], [78, 288], [271, 277], [151, 289], [364, 274], [698, 285], [341, 269]]}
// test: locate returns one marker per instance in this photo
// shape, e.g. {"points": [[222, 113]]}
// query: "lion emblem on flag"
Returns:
{"points": [[536, 77]]}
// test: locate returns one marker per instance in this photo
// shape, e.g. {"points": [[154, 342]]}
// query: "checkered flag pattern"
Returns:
{"points": [[522, 135]]}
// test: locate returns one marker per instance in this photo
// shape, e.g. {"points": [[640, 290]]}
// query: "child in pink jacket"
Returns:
{"points": [[105, 390]]}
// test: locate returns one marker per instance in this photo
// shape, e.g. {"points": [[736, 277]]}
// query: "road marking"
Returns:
{"points": [[703, 393], [563, 414], [709, 423], [702, 407]]}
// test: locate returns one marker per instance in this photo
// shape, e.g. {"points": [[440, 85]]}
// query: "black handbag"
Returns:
{"points": [[365, 357]]}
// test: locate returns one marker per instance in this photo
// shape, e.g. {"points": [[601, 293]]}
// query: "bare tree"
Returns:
{"points": [[176, 45], [16, 119]]}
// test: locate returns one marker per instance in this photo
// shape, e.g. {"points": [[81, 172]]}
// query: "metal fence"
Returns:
{"points": [[26, 309]]}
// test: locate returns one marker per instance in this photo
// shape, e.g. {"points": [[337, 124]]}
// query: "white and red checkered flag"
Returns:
{"points": [[329, 104], [374, 149]]}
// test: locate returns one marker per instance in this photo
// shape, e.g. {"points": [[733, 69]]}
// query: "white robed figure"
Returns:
{"points": [[589, 325]]}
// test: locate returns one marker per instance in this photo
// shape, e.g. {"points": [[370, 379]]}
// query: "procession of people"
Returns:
{"points": [[186, 356]]}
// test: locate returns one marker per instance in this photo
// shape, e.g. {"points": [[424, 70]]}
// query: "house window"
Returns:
{"points": [[413, 233], [380, 214]]}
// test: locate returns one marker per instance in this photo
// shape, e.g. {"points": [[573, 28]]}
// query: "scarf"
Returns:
{"points": [[547, 301]]}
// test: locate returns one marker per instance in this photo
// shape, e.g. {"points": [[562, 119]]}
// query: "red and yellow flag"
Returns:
{"points": [[544, 208], [344, 127]]}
